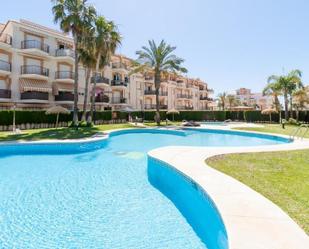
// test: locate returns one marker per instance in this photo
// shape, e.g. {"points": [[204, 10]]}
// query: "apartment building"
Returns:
{"points": [[244, 96], [37, 71]]}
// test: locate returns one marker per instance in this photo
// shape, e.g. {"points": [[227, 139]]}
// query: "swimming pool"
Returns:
{"points": [[102, 195]]}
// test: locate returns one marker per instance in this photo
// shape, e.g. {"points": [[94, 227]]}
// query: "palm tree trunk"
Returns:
{"points": [[88, 73], [57, 120], [75, 108], [94, 88], [291, 106], [157, 87], [286, 106]]}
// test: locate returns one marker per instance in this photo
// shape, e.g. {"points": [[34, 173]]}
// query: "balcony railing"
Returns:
{"points": [[206, 98], [64, 75], [5, 66], [5, 38], [150, 106], [34, 95], [153, 106], [153, 92], [150, 92], [65, 52], [185, 107], [102, 99], [119, 65], [27, 44], [119, 83], [99, 79], [149, 78], [184, 96], [64, 96], [118, 100], [31, 69], [5, 94]]}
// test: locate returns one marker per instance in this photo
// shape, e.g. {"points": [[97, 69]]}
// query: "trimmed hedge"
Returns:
{"points": [[37, 117]]}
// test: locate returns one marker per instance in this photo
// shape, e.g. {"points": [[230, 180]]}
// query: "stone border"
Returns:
{"points": [[252, 221]]}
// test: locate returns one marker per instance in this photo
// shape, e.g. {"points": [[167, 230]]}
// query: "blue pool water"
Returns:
{"points": [[100, 195]]}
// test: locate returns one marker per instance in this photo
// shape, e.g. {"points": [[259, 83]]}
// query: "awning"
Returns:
{"points": [[62, 87], [28, 85]]}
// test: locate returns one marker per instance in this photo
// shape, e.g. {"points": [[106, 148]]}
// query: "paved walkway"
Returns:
{"points": [[251, 220]]}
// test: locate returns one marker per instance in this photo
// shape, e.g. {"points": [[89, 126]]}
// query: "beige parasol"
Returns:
{"points": [[172, 111], [57, 110], [269, 111]]}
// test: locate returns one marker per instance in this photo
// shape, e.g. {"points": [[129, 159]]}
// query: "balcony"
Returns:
{"points": [[184, 96], [185, 107], [102, 99], [65, 76], [181, 85], [150, 106], [153, 92], [35, 72], [35, 47], [149, 78], [65, 53], [153, 106], [5, 68], [206, 98], [100, 80], [119, 65], [65, 96], [119, 100], [150, 92], [5, 94], [119, 83], [34, 96], [5, 40]]}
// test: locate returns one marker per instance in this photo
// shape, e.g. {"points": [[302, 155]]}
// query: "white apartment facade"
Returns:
{"points": [[37, 71], [255, 100]]}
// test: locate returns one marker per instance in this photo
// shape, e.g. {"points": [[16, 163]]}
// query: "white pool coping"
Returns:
{"points": [[252, 221]]}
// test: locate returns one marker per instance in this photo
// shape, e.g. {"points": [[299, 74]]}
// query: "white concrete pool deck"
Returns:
{"points": [[251, 220]]}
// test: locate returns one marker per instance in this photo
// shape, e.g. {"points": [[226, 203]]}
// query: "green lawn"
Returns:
{"points": [[61, 133], [275, 128], [67, 133], [163, 123], [282, 177]]}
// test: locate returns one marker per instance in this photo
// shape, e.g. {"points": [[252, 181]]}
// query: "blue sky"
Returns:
{"points": [[227, 43]]}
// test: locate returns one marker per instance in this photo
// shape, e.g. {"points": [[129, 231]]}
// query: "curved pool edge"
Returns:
{"points": [[200, 212], [106, 134], [251, 220], [180, 157]]}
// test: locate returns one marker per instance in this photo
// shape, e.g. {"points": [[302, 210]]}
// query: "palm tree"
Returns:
{"points": [[158, 60], [231, 100], [287, 84], [87, 58], [75, 17], [222, 100], [107, 39], [273, 90], [302, 99]]}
